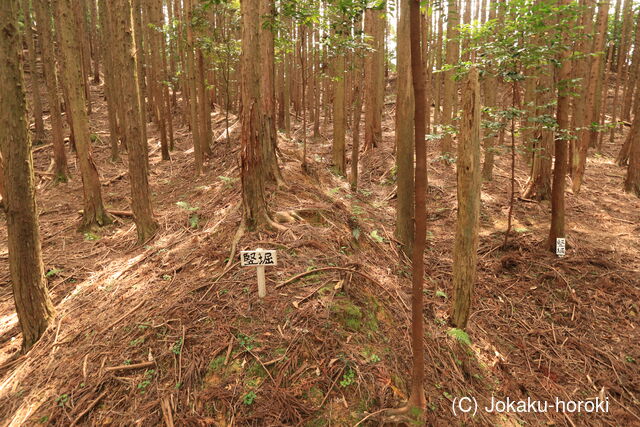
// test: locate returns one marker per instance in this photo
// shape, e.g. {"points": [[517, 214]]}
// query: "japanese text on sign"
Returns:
{"points": [[256, 258]]}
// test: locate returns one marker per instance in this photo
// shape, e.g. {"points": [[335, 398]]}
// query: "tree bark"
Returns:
{"points": [[33, 72], [449, 91], [539, 185], [94, 212], [405, 109], [252, 119], [634, 70], [561, 141], [33, 305], [582, 146], [134, 137], [465, 255], [43, 18], [339, 115], [198, 144], [268, 92], [620, 61], [490, 88], [374, 78], [416, 397]]}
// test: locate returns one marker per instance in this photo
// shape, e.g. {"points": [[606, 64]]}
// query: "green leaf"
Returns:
{"points": [[249, 398], [460, 335], [375, 236], [52, 272], [194, 221], [356, 233], [187, 207], [442, 294]]}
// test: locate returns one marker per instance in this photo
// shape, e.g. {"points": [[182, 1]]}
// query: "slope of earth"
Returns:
{"points": [[173, 332]]}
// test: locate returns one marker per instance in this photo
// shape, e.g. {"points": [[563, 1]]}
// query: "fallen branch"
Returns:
{"points": [[89, 408], [167, 414], [124, 214], [130, 367]]}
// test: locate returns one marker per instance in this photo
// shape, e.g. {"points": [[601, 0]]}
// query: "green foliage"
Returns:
{"points": [[247, 342], [216, 364], [194, 218], [62, 400], [53, 272], [177, 346], [148, 378], [194, 221], [186, 206], [375, 236], [136, 342], [460, 335], [441, 294], [348, 378], [228, 181], [90, 236], [370, 356], [249, 397]]}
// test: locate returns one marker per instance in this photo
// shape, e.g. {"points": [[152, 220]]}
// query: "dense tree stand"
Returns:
{"points": [[94, 213], [32, 302], [134, 135]]}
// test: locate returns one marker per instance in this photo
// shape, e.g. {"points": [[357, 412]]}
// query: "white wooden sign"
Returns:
{"points": [[260, 258], [561, 245]]}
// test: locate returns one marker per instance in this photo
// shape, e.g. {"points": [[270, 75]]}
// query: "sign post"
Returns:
{"points": [[259, 259], [561, 245]]}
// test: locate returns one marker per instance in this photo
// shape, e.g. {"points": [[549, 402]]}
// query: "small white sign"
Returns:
{"points": [[561, 244], [258, 257]]}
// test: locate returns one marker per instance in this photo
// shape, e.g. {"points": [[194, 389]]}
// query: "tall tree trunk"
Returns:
{"points": [[134, 137], [620, 61], [416, 397], [94, 211], [539, 185], [561, 140], [452, 48], [357, 113], [95, 41], [634, 70], [339, 114], [43, 17], [33, 305], [79, 27], [33, 72], [465, 250], [139, 22], [632, 181], [268, 92], [252, 119], [490, 89], [157, 77], [198, 144], [374, 78], [204, 106], [405, 106], [110, 82], [580, 158]]}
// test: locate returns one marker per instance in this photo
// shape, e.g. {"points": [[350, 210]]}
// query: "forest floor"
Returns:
{"points": [[333, 346]]}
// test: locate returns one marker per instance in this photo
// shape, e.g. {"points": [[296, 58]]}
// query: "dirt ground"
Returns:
{"points": [[173, 332]]}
